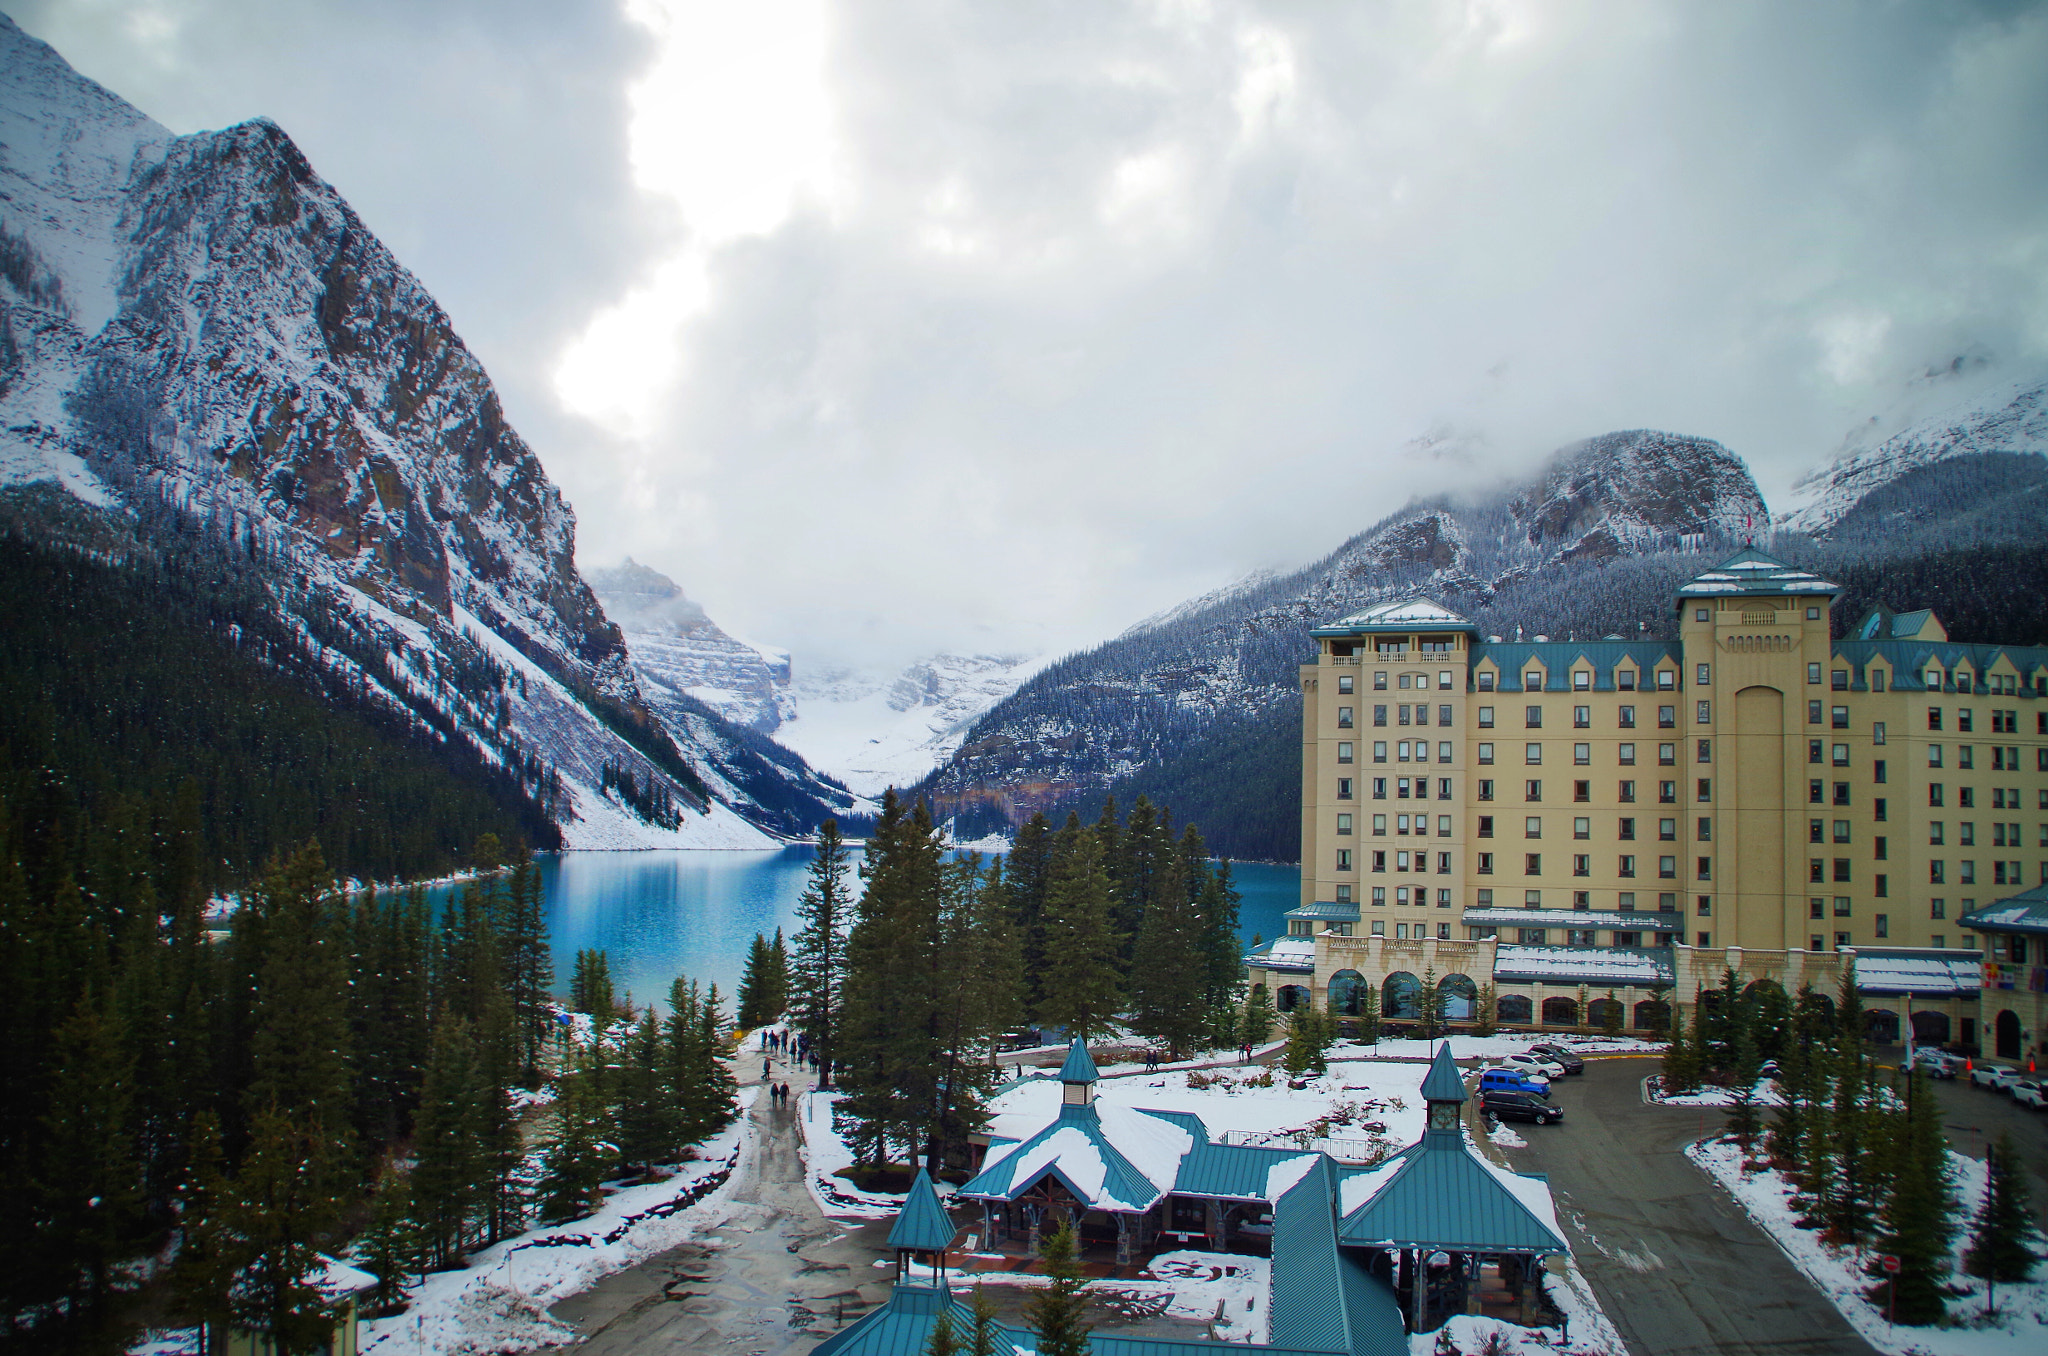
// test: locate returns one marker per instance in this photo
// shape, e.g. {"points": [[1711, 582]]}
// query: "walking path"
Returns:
{"points": [[774, 1280]]}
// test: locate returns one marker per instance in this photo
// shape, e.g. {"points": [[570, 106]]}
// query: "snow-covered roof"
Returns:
{"points": [[1751, 571], [1658, 920], [1403, 614], [1292, 954], [337, 1280], [1584, 964], [1345, 913], [1113, 1157], [2023, 912], [1439, 1194], [1932, 974]]}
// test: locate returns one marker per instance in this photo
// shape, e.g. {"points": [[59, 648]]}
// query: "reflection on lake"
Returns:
{"points": [[663, 914]]}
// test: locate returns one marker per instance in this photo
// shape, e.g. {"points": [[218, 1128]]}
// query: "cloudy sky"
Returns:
{"points": [[913, 324]]}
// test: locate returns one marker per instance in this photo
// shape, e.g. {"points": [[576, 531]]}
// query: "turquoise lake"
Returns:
{"points": [[663, 914]]}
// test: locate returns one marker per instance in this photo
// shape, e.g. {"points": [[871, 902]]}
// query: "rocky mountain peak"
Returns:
{"points": [[1636, 484]]}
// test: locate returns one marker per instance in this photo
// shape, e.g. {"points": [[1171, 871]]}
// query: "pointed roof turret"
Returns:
{"points": [[1750, 572], [922, 1225], [1444, 1083], [1079, 1075]]}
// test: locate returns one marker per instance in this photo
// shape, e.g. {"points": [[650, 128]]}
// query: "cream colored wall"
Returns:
{"points": [[1757, 810]]}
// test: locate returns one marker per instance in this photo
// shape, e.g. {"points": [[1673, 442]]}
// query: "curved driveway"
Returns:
{"points": [[1677, 1265]]}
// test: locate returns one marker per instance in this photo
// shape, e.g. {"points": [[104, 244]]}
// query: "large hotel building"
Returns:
{"points": [[1564, 819]]}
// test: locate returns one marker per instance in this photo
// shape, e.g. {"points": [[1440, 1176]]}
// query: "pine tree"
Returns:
{"points": [[1169, 966], [389, 1248], [756, 983], [1681, 1058], [2001, 1246], [529, 961], [1058, 1311], [1216, 901], [1028, 870], [1080, 985], [1610, 1023], [1255, 1025], [1429, 1002], [648, 1117], [778, 977], [982, 1334], [818, 970], [943, 1341], [1745, 1123], [284, 1205], [449, 1144], [1918, 1217], [1368, 1023], [590, 988], [300, 1040], [88, 1181], [1485, 1013], [577, 1156]]}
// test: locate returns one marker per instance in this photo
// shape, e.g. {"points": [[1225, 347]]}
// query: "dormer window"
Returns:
{"points": [[1625, 679]]}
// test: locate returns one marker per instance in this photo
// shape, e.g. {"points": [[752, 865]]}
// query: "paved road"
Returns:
{"points": [[1974, 1117], [770, 1287], [1676, 1264]]}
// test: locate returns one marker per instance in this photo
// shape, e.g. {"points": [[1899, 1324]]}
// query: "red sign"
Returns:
{"points": [[1889, 1263]]}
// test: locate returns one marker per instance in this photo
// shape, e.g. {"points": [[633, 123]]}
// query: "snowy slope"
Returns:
{"points": [[1941, 423], [873, 733], [199, 331], [676, 648]]}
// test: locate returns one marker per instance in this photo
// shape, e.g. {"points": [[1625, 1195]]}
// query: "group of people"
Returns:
{"points": [[778, 1093]]}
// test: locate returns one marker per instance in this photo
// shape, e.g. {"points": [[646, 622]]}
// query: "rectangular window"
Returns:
{"points": [[1582, 827], [1838, 680], [1344, 717], [1667, 755], [1937, 872], [1816, 792], [1628, 718], [1343, 859], [1876, 680], [1379, 681], [1581, 680], [1882, 849], [1841, 941], [1816, 908], [1343, 824], [1532, 791], [1532, 827], [1667, 679], [1704, 905], [1379, 925], [1933, 712], [1443, 715], [1813, 712], [1401, 864], [1486, 755], [1379, 714], [1816, 870], [1816, 750], [1813, 673], [1486, 680], [1705, 832], [1667, 717], [1882, 923], [1877, 732], [1816, 831], [1443, 788], [1405, 718], [1443, 826], [1401, 751], [1379, 826], [1485, 865], [1881, 886], [1934, 796], [1626, 830], [1379, 752], [1582, 792], [1443, 863], [1699, 674], [1532, 753], [1582, 717], [1842, 870], [1667, 793], [1443, 752], [1877, 770], [1966, 755], [1841, 831], [1842, 907], [1703, 712], [1486, 788], [1627, 754], [1964, 716], [1705, 869], [1486, 718], [1582, 754], [1379, 788], [1343, 788], [1705, 752], [1703, 790], [1839, 717], [1937, 908], [1345, 683], [1841, 755], [1667, 830], [1401, 785], [1582, 865], [1485, 826], [1626, 793], [1877, 808], [1667, 868], [1532, 863], [1532, 717], [1532, 936], [1966, 872], [1841, 796]]}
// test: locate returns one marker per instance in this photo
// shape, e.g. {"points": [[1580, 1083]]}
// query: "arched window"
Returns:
{"points": [[1560, 1012], [2005, 1032], [1290, 997], [1460, 997], [1881, 1026], [1652, 1015], [1930, 1028], [1596, 1011], [1345, 987], [1514, 1009], [1400, 997]]}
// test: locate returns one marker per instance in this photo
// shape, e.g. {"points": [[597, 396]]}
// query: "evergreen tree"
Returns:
{"points": [[648, 1115], [818, 971], [88, 1181], [449, 1144], [1660, 1010], [1918, 1218], [1745, 1122], [1079, 989], [982, 1335], [577, 1156], [943, 1341], [1308, 1041], [1485, 1013], [1216, 901], [2001, 1246], [299, 1043], [1681, 1058], [285, 1204], [700, 1085], [1610, 1024], [590, 987], [1028, 871], [1058, 1311], [389, 1247], [529, 962], [1429, 1003], [757, 982], [778, 976], [1368, 1023], [1169, 976], [1255, 1026]]}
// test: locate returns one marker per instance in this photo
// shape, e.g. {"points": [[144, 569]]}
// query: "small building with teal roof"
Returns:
{"points": [[1362, 1256]]}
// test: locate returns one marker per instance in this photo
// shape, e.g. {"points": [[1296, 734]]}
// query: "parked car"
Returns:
{"points": [[1512, 1080], [1994, 1076], [1936, 1063], [2031, 1092], [1570, 1059], [1504, 1105], [1534, 1065]]}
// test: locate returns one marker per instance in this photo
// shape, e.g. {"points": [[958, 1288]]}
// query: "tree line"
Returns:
{"points": [[1864, 1148], [905, 990]]}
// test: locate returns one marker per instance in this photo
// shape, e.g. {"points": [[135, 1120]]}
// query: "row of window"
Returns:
{"points": [[1534, 679], [2004, 757], [2002, 797], [2002, 834], [2002, 872], [1995, 684], [1582, 717], [1582, 754]]}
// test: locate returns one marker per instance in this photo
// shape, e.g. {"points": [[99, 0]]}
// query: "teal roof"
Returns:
{"points": [[2023, 912], [1557, 659], [1437, 1194], [903, 1325], [1310, 1271], [1444, 1083], [1234, 1172], [1079, 1068], [1343, 912], [1909, 661], [1750, 572], [1400, 614], [921, 1225], [1123, 1187], [1656, 920]]}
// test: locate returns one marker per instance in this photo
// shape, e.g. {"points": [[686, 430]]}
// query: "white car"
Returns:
{"points": [[1937, 1063], [1994, 1076], [1541, 1066], [2031, 1092]]}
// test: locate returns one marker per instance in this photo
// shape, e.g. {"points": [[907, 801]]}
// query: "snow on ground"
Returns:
{"points": [[1766, 1094], [1504, 1137], [500, 1302], [825, 1154], [1193, 1285], [2019, 1329]]}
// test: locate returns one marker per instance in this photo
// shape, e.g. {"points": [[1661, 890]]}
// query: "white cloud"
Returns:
{"points": [[893, 326]]}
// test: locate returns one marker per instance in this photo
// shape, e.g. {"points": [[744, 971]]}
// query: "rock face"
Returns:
{"points": [[201, 327], [676, 648], [1202, 698]]}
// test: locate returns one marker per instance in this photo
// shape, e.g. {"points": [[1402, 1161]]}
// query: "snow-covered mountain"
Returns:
{"points": [[1196, 705], [676, 648], [873, 731], [198, 331], [1945, 418]]}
